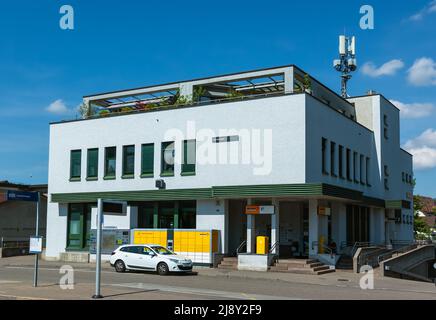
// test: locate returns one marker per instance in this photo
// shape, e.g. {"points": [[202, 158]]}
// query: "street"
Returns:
{"points": [[16, 276]]}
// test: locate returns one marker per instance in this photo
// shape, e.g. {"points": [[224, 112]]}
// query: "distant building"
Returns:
{"points": [[18, 218]]}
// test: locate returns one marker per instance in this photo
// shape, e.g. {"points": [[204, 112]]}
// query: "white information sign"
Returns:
{"points": [[35, 245]]}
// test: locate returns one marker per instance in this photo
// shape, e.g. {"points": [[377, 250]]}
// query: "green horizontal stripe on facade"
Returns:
{"points": [[276, 190], [146, 195], [397, 204], [253, 191]]}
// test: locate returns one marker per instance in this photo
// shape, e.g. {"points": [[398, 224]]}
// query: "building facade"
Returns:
{"points": [[192, 155]]}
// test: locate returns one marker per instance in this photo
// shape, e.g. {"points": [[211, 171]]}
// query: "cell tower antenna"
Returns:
{"points": [[347, 61]]}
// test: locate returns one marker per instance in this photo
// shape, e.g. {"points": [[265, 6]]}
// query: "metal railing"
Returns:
{"points": [[273, 247], [329, 250], [243, 243]]}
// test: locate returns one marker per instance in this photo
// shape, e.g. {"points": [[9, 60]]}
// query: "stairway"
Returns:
{"points": [[229, 263], [301, 266]]}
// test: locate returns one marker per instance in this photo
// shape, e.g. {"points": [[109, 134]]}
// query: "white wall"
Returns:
{"points": [[212, 214], [283, 115]]}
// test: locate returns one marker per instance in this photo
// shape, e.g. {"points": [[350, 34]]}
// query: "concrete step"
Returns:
{"points": [[298, 261], [325, 271], [234, 259], [229, 263]]}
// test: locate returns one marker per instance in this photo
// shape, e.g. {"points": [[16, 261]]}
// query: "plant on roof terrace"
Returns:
{"points": [[104, 113], [307, 83], [233, 94]]}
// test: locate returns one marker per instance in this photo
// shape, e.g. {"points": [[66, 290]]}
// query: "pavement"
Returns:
{"points": [[16, 274]]}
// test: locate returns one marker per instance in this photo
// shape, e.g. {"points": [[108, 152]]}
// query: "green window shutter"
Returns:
{"points": [[75, 164], [92, 167], [147, 159], [128, 160], [167, 158], [110, 161], [189, 154]]}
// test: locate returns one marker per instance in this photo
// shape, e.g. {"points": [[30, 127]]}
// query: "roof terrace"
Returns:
{"points": [[238, 86]]}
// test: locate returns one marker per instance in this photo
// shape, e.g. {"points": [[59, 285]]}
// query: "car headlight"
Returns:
{"points": [[175, 260]]}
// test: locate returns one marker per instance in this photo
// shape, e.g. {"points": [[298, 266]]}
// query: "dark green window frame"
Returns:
{"points": [[324, 155], [92, 164], [147, 160], [110, 155], [333, 159], [341, 162], [189, 157], [75, 165], [167, 169], [128, 161]]}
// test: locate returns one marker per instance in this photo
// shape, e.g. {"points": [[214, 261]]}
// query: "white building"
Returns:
{"points": [[332, 168]]}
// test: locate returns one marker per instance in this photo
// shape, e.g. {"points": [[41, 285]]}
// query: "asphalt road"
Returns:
{"points": [[16, 283]]}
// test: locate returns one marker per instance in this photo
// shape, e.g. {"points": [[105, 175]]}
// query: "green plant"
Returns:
{"points": [[84, 110], [126, 109], [104, 113], [198, 93], [307, 82], [233, 94]]}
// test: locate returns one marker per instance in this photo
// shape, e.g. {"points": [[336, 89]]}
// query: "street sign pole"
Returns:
{"points": [[35, 272], [97, 294]]}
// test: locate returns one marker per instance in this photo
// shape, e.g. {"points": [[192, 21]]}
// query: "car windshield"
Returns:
{"points": [[162, 250]]}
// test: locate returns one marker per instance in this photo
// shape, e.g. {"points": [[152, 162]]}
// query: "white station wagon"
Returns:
{"points": [[148, 257]]}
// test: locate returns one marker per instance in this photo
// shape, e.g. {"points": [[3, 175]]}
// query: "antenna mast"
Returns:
{"points": [[346, 62]]}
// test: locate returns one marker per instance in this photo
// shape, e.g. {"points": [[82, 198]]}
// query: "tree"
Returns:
{"points": [[419, 224]]}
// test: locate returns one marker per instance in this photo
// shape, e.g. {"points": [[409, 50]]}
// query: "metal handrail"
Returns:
{"points": [[243, 243], [273, 246], [330, 250]]}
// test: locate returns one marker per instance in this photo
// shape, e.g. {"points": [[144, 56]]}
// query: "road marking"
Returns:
{"points": [[202, 292], [8, 281]]}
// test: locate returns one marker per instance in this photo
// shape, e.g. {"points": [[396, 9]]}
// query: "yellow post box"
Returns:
{"points": [[262, 245]]}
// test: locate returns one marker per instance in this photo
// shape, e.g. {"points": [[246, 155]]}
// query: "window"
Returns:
{"points": [[386, 133], [128, 161], [92, 164], [355, 166], [385, 120], [324, 147], [368, 170], [348, 164], [167, 159], [332, 159], [225, 139], [402, 176], [147, 160], [386, 174], [75, 165], [361, 169], [341, 160], [188, 165], [110, 162]]}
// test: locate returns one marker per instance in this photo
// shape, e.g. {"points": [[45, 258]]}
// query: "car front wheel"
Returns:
{"points": [[120, 266], [162, 269]]}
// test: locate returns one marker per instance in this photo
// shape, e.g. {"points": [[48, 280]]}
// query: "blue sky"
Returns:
{"points": [[124, 44]]}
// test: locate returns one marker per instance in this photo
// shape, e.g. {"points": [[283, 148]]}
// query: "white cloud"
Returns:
{"points": [[422, 72], [413, 110], [387, 69], [428, 9], [423, 149], [58, 107]]}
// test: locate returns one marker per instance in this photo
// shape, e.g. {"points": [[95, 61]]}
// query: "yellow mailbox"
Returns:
{"points": [[262, 245]]}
